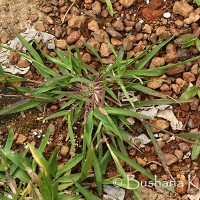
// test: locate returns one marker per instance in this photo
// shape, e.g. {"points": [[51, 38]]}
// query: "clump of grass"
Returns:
{"points": [[91, 98]]}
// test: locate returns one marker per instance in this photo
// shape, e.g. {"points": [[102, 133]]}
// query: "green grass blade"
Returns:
{"points": [[146, 90], [196, 149], [105, 161], [82, 80], [123, 112], [70, 164], [112, 94], [110, 8], [9, 140], [16, 158], [98, 175], [137, 167], [94, 51], [30, 49], [86, 193], [159, 102], [41, 161], [122, 182], [191, 135], [87, 164], [150, 55], [70, 131], [189, 93], [57, 114], [20, 106], [126, 93], [117, 163]]}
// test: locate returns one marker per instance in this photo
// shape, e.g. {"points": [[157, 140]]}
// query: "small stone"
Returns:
{"points": [[28, 75], [165, 87], [94, 43], [184, 147], [189, 76], [138, 27], [166, 137], [61, 2], [118, 25], [171, 57], [113, 32], [182, 83], [49, 20], [73, 37], [127, 44], [139, 47], [147, 29], [184, 54], [127, 3], [160, 123], [39, 26], [58, 31], [76, 21], [153, 167], [100, 35], [178, 154], [13, 58], [93, 25], [191, 123], [109, 60], [141, 162], [54, 107], [105, 50], [88, 1], [193, 17], [175, 70], [179, 23], [183, 186], [157, 62], [54, 2], [47, 9], [154, 83], [176, 88], [63, 9], [86, 58], [96, 7], [161, 144], [152, 14], [4, 40], [21, 139], [194, 69], [182, 8], [64, 150], [61, 44], [52, 129], [194, 104], [170, 158], [23, 63], [162, 32], [132, 152], [116, 42], [34, 17], [167, 15], [104, 13]]}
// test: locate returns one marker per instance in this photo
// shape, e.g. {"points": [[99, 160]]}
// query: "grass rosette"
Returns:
{"points": [[92, 98]]}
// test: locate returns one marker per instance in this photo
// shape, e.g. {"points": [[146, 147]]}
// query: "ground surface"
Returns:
{"points": [[90, 21]]}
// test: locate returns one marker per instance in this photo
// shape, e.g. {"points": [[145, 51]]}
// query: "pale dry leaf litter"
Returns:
{"points": [[30, 35], [113, 193], [162, 111]]}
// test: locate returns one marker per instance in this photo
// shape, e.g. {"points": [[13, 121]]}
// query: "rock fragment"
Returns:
{"points": [[170, 158], [182, 8]]}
